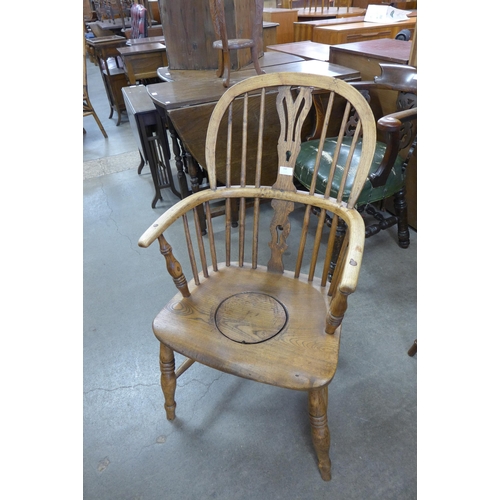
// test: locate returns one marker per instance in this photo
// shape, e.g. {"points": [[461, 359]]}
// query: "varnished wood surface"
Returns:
{"points": [[107, 41], [303, 356], [306, 49], [142, 48], [285, 19], [270, 58], [386, 49], [198, 87], [142, 61], [352, 32], [148, 39], [303, 30], [189, 89], [269, 34]]}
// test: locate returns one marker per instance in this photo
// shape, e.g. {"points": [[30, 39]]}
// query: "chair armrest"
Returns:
{"points": [[350, 274], [390, 127]]}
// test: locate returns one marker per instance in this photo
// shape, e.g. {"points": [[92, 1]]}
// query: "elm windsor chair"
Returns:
{"points": [[273, 318], [224, 44]]}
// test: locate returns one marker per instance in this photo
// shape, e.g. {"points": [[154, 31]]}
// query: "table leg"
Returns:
{"points": [[178, 157], [194, 171]]}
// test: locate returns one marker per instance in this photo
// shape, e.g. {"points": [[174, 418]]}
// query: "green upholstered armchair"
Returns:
{"points": [[393, 99]]}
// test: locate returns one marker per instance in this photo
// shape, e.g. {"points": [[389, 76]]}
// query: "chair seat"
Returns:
{"points": [[305, 165], [252, 324], [235, 43]]}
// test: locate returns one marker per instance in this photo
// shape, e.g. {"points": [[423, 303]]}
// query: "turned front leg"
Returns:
{"points": [[168, 379], [318, 403]]}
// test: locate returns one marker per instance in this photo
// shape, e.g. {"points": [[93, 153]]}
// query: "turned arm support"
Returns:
{"points": [[173, 266]]}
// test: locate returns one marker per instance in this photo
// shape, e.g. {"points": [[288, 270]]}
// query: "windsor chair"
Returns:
{"points": [[255, 307]]}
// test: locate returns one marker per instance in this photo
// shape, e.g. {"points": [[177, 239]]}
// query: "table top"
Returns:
{"points": [[141, 48], [148, 39], [405, 23], [306, 49], [191, 87], [138, 99], [389, 49], [106, 40], [268, 59]]}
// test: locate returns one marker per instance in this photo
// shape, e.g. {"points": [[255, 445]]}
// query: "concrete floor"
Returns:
{"points": [[232, 439]]}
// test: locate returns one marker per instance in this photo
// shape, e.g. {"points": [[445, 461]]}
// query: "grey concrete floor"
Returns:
{"points": [[232, 438]]}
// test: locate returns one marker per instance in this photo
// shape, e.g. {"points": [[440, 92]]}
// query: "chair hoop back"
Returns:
{"points": [[292, 107]]}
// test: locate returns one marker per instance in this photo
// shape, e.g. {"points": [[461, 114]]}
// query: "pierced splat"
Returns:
{"points": [[292, 112]]}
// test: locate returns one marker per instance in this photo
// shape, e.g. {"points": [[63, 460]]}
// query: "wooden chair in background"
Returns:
{"points": [[395, 146], [88, 109], [265, 311], [322, 6], [224, 44]]}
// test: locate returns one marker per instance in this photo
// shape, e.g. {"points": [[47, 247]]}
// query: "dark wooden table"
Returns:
{"points": [[186, 103], [366, 56], [270, 58], [206, 79], [305, 49], [142, 60], [151, 138]]}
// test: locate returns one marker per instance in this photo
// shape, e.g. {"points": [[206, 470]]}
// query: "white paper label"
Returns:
{"points": [[286, 170]]}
